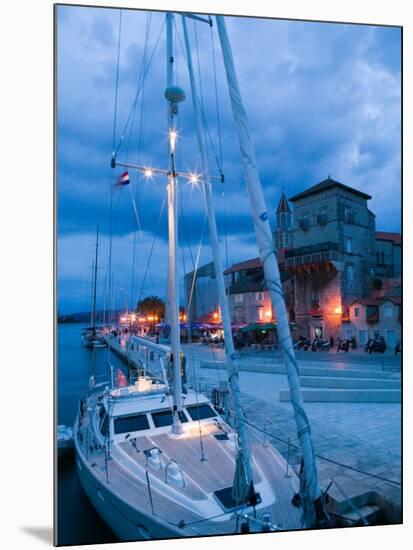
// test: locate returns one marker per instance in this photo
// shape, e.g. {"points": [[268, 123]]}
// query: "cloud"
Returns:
{"points": [[321, 99]]}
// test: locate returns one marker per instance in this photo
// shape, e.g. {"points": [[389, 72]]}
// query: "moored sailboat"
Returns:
{"points": [[157, 459]]}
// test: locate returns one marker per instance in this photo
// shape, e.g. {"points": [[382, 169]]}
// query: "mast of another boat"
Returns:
{"points": [[232, 366], [173, 272], [95, 279]]}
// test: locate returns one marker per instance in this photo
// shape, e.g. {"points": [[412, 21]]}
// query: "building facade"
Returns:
{"points": [[332, 261], [372, 318], [248, 297], [333, 256], [201, 295]]}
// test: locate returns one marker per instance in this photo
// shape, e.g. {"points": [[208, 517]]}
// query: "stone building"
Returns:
{"points": [[248, 297], [201, 295], [374, 318], [388, 255], [333, 258], [283, 233]]}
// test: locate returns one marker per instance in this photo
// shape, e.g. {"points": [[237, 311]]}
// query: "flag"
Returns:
{"points": [[123, 179]]}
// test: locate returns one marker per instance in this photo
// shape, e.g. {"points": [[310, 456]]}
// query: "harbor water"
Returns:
{"points": [[78, 523]]}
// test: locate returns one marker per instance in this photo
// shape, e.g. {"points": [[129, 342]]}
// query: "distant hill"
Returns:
{"points": [[84, 317]]}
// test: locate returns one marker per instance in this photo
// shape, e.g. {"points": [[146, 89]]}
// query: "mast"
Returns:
{"points": [[174, 95], [232, 366], [91, 292], [268, 257], [95, 278]]}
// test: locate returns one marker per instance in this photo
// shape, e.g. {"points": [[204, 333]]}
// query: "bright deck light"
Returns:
{"points": [[194, 178], [148, 172]]}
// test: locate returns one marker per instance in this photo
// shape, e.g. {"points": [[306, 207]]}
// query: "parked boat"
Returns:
{"points": [[64, 439], [154, 455], [93, 336]]}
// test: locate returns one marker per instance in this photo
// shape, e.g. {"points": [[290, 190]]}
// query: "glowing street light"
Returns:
{"points": [[148, 172], [338, 310]]}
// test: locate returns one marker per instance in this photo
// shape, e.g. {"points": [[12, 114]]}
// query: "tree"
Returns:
{"points": [[151, 305]]}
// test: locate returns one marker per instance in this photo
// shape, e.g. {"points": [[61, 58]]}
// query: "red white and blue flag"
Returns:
{"points": [[123, 179]]}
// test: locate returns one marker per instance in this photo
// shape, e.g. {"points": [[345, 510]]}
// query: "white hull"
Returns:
{"points": [[127, 523]]}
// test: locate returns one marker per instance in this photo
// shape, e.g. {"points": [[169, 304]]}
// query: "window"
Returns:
{"points": [[349, 334], [348, 245], [350, 273], [239, 298], [304, 223], [348, 215], [259, 296], [165, 418], [362, 337], [260, 313], [356, 312], [200, 412], [388, 311], [132, 423], [103, 421]]}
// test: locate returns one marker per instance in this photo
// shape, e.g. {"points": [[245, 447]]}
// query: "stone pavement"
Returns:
{"points": [[366, 472], [364, 439]]}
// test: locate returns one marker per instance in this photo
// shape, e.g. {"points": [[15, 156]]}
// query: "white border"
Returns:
{"points": [[26, 273]]}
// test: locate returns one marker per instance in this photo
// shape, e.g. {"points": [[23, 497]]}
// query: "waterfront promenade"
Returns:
{"points": [[358, 444]]}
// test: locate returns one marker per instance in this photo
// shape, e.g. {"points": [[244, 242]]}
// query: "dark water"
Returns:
{"points": [[78, 523]]}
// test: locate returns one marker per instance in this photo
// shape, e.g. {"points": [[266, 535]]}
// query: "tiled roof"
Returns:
{"points": [[247, 264], [328, 184], [253, 263], [375, 301], [396, 238]]}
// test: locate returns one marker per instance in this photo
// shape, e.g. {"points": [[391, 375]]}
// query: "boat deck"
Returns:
{"points": [[201, 479]]}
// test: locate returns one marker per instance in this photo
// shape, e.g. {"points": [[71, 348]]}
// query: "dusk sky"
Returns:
{"points": [[322, 99]]}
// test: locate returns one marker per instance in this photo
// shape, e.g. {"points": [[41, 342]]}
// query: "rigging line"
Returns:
{"points": [[216, 95], [219, 165], [321, 457], [133, 268], [193, 368], [152, 247], [139, 89], [117, 83], [141, 82], [195, 269]]}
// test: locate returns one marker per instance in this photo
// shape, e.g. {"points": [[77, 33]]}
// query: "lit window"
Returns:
{"points": [[260, 313]]}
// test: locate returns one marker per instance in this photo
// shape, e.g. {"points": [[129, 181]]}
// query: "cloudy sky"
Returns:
{"points": [[322, 99]]}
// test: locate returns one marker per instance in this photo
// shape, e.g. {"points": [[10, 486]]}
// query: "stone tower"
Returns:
{"points": [[283, 236]]}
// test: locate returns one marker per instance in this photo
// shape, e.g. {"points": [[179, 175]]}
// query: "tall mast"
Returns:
{"points": [[174, 95], [272, 276], [95, 279], [232, 366], [91, 292]]}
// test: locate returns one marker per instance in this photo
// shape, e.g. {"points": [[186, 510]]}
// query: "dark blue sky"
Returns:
{"points": [[321, 99]]}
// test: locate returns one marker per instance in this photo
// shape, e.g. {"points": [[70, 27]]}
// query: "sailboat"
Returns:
{"points": [[156, 458], [92, 336]]}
